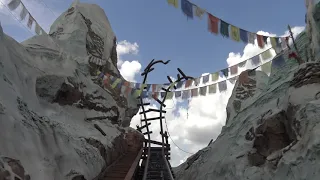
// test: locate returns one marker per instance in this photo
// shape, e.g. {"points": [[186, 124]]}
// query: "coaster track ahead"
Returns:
{"points": [[155, 164], [149, 163]]}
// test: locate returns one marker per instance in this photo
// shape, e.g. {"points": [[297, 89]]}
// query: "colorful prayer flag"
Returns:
{"points": [[234, 69], [116, 82], [203, 91], [155, 95], [235, 33], [199, 12], [278, 61], [30, 21], [205, 79], [266, 67], [224, 28], [185, 94], [162, 94], [266, 55], [283, 43], [194, 92], [273, 42], [23, 13], [242, 64], [251, 37], [214, 76], [154, 87], [173, 3], [225, 72], [222, 85], [212, 88], [213, 23], [177, 94], [188, 83], [255, 60], [38, 29], [244, 36], [169, 95], [265, 39], [260, 40], [13, 4], [196, 81], [148, 87], [233, 79], [179, 84], [187, 8]]}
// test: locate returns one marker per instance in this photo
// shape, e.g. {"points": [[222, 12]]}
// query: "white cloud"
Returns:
{"points": [[128, 69], [193, 126]]}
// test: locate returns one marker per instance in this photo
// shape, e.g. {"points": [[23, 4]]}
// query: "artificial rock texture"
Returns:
{"points": [[56, 120], [272, 128]]}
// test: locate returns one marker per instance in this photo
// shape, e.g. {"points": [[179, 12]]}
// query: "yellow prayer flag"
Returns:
{"points": [[169, 95], [266, 55], [273, 42], [173, 3], [199, 12], [143, 86], [214, 76], [116, 82], [136, 93], [235, 33]]}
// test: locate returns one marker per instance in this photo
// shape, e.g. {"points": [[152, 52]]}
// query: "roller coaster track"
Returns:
{"points": [[150, 163]]}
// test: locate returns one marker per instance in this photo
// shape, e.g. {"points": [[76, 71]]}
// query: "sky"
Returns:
{"points": [[149, 30]]}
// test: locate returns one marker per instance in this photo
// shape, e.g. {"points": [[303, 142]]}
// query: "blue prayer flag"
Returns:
{"points": [[278, 61], [205, 79], [187, 8], [244, 35]]}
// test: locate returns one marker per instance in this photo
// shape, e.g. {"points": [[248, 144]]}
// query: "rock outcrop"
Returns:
{"points": [[271, 131], [56, 120]]}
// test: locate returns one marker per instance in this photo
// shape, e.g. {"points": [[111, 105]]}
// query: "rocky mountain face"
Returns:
{"points": [[56, 120], [272, 128]]}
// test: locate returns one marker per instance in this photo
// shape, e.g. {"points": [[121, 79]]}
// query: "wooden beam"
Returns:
{"points": [[147, 133], [144, 126], [152, 110], [151, 119], [157, 143]]}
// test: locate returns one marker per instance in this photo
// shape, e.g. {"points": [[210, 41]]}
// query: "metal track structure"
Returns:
{"points": [[155, 163]]}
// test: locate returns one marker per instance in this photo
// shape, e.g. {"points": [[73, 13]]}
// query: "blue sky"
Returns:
{"points": [[161, 31], [164, 32]]}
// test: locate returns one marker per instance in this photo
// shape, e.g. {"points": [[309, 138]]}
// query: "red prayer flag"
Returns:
{"points": [[154, 87], [105, 81], [155, 95], [126, 83], [188, 83], [128, 89], [260, 41], [213, 23]]}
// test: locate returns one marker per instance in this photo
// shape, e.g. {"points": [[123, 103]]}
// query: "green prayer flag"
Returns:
{"points": [[212, 88], [203, 91], [224, 28], [136, 93], [266, 67], [169, 95], [266, 55], [215, 76]]}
